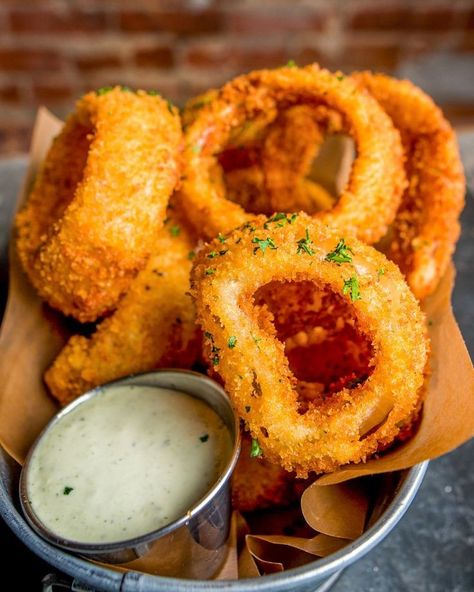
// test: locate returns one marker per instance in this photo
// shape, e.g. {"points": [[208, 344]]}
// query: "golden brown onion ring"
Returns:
{"points": [[352, 423], [153, 325], [90, 222], [426, 226], [369, 201]]}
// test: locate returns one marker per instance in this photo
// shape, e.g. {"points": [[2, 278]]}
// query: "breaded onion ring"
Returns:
{"points": [[90, 222], [426, 226], [153, 325], [369, 201], [352, 423], [258, 484]]}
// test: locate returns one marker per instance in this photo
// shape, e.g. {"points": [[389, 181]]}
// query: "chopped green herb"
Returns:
{"points": [[291, 64], [103, 90], [175, 230], [248, 226], [153, 93], [380, 271], [221, 238], [170, 106], [232, 341], [351, 286], [210, 271], [304, 245], [341, 254], [212, 254], [257, 339], [280, 219], [124, 88], [208, 335], [196, 149], [430, 323], [204, 438], [191, 255], [340, 77], [255, 450], [263, 244], [67, 490]]}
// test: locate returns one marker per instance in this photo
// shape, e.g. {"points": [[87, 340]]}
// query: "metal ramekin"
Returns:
{"points": [[194, 545]]}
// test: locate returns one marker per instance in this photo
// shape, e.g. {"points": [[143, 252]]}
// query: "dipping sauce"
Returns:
{"points": [[126, 462]]}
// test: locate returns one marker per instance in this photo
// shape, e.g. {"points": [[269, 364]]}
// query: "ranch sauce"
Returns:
{"points": [[125, 463]]}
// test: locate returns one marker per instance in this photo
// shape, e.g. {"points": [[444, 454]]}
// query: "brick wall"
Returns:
{"points": [[51, 51]]}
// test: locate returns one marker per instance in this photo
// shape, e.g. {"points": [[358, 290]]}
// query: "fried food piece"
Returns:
{"points": [[352, 423], [258, 484], [426, 226], [152, 327], [368, 203], [90, 222]]}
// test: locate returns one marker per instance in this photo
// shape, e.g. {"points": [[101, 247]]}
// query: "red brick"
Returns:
{"points": [[403, 19], [236, 56], [52, 93], [10, 94], [97, 62], [359, 56], [196, 22], [29, 59], [47, 21], [270, 21], [14, 140], [158, 57]]}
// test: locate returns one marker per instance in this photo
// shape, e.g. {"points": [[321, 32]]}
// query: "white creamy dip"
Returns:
{"points": [[126, 462]]}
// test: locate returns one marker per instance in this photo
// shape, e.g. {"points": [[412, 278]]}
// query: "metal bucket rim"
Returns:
{"points": [[108, 579]]}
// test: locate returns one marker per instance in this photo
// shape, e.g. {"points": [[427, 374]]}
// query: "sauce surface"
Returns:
{"points": [[126, 462]]}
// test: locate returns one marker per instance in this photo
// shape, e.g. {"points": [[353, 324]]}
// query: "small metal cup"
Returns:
{"points": [[194, 545]]}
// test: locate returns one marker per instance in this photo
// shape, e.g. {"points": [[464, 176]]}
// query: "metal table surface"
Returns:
{"points": [[432, 549]]}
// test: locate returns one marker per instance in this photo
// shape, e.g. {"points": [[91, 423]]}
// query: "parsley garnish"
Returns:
{"points": [[380, 271], [191, 255], [340, 77], [255, 450], [304, 245], [341, 254], [170, 106], [214, 349], [196, 149], [291, 64], [153, 93], [204, 438], [67, 490], [213, 254], [103, 91], [257, 339], [352, 286], [175, 230], [232, 341], [280, 218], [221, 238], [210, 271], [124, 88], [263, 244]]}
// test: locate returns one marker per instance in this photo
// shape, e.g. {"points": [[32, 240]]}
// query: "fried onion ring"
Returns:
{"points": [[89, 224], [426, 226], [350, 424], [369, 201], [153, 325]]}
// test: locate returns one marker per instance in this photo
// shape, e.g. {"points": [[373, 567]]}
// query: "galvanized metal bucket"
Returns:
{"points": [[316, 576]]}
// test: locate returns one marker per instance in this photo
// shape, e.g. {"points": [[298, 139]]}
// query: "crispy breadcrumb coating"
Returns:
{"points": [[352, 423], [90, 221], [153, 326], [426, 226]]}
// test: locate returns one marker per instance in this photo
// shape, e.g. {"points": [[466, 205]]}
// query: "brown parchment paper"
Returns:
{"points": [[337, 507]]}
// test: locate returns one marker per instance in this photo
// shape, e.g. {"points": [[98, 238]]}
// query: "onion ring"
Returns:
{"points": [[91, 219], [377, 178], [352, 423], [153, 325], [426, 226]]}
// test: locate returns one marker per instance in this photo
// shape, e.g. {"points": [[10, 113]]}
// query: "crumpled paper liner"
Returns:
{"points": [[333, 510]]}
